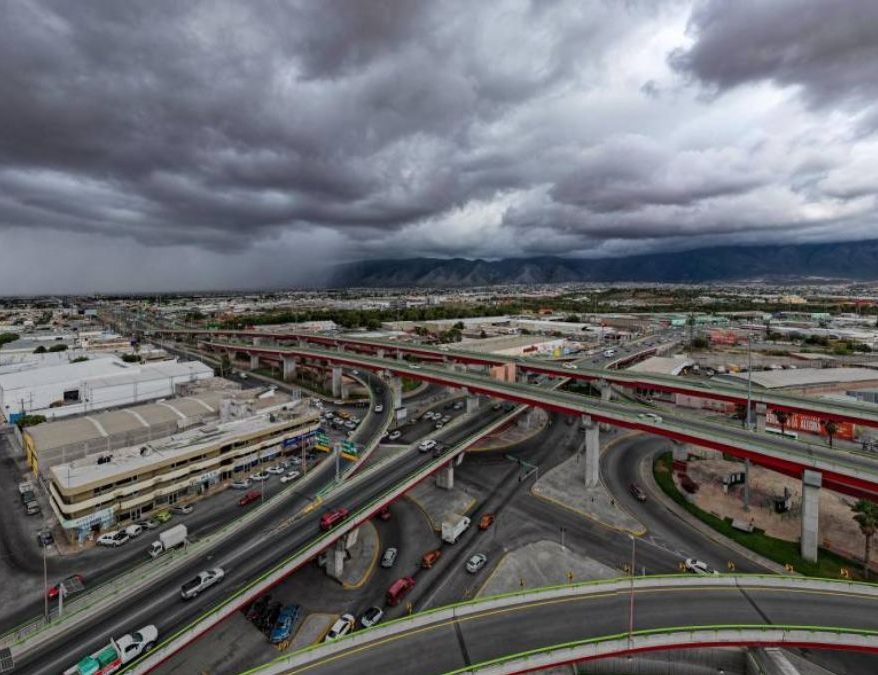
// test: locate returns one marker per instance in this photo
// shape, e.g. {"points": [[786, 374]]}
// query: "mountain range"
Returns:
{"points": [[857, 261]]}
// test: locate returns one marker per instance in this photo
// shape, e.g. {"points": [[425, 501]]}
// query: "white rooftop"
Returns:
{"points": [[775, 379], [662, 365]]}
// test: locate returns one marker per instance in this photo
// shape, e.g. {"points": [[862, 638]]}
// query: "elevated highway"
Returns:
{"points": [[538, 629], [848, 472], [839, 411]]}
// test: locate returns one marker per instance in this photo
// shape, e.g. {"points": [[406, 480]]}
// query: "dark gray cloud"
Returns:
{"points": [[262, 141]]}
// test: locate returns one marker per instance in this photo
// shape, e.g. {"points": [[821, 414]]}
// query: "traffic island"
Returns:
{"points": [[565, 486], [362, 558], [440, 505], [542, 563], [311, 631]]}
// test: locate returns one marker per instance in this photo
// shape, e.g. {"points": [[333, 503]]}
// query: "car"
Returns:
{"points": [[163, 516], [355, 372], [398, 589], [379, 408], [283, 625], [242, 484], [651, 417], [342, 626], [438, 451], [439, 424], [249, 498], [414, 366], [332, 518], [389, 558], [183, 509], [569, 366], [255, 610], [476, 562], [72, 585], [45, 538], [445, 419], [269, 615], [426, 446], [393, 435], [371, 617], [458, 405], [275, 470], [202, 581], [133, 531], [637, 492], [260, 477], [149, 523], [113, 539], [486, 521], [698, 567], [295, 461], [496, 406], [350, 425], [292, 475], [384, 513], [430, 558]]}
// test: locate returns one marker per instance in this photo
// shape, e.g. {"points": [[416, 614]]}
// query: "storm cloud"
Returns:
{"points": [[227, 144]]}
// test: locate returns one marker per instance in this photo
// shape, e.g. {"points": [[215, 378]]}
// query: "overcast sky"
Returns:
{"points": [[166, 144]]}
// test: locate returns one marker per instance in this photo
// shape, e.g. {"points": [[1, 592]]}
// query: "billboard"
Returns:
{"points": [[811, 424]]}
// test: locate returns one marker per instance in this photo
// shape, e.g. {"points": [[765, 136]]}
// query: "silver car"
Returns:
{"points": [[202, 582], [389, 558]]}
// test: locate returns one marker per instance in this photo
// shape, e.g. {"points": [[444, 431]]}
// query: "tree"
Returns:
{"points": [[58, 348], [866, 515], [572, 318], [29, 420], [79, 359], [782, 417], [459, 325], [7, 337], [830, 427], [40, 350], [225, 365]]}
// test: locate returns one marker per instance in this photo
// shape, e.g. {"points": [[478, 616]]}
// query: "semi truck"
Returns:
{"points": [[168, 540], [451, 531], [111, 657]]}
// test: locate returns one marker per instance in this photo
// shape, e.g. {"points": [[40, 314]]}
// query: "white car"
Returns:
{"points": [[202, 582], [476, 562], [132, 645], [393, 435], [389, 558], [371, 617], [259, 477], [651, 417], [426, 446], [292, 475], [698, 567], [240, 484], [275, 470], [134, 530], [342, 626], [113, 539], [439, 424], [379, 408], [569, 366]]}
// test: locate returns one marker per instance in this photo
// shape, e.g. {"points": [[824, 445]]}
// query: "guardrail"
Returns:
{"points": [[258, 586], [388, 631]]}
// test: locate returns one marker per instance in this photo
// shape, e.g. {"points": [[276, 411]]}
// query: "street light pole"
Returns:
{"points": [[631, 595], [749, 382], [45, 585]]}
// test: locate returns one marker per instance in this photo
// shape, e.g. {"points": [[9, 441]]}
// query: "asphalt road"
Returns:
{"points": [[491, 634], [267, 543]]}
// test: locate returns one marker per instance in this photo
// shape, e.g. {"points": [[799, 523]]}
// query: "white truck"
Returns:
{"points": [[168, 540], [451, 531], [111, 657]]}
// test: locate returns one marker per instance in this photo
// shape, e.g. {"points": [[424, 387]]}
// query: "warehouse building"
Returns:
{"points": [[97, 384], [106, 490]]}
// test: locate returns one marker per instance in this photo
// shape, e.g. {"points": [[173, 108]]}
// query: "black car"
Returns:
{"points": [[258, 607], [269, 617]]}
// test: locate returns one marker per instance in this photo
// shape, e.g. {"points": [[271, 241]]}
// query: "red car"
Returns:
{"points": [[72, 584], [249, 498], [332, 518], [384, 514], [398, 589]]}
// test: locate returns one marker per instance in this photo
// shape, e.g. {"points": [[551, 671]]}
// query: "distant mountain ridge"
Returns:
{"points": [[856, 261]]}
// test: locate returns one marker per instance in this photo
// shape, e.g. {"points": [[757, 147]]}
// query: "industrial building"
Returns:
{"points": [[97, 384], [104, 490], [807, 380]]}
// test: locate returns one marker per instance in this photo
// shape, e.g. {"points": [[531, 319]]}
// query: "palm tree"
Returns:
{"points": [[782, 417], [866, 515], [741, 413], [830, 427]]}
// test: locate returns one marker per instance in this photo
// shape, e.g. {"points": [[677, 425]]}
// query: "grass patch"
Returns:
{"points": [[783, 552], [409, 385]]}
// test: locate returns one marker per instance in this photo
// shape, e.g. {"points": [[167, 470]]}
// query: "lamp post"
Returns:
{"points": [[631, 595], [749, 383]]}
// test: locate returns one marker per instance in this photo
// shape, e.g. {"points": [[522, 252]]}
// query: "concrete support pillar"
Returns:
{"points": [[529, 419], [472, 403], [257, 341], [289, 368], [399, 356], [592, 442], [335, 559], [606, 391], [811, 482], [336, 381], [680, 452], [396, 392], [761, 410], [445, 477], [380, 354], [351, 537], [254, 361]]}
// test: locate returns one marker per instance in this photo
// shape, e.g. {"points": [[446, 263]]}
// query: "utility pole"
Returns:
{"points": [[46, 584], [749, 382], [631, 595]]}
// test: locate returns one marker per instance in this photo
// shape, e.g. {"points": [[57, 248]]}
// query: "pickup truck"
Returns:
{"points": [[112, 657]]}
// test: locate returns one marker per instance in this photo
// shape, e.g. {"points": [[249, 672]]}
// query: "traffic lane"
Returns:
{"points": [[544, 623], [621, 466]]}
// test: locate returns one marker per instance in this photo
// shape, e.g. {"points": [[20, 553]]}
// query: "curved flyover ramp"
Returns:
{"points": [[531, 630]]}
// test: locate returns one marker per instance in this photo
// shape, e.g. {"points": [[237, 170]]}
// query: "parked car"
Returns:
{"points": [[371, 617], [249, 498], [393, 435], [283, 625], [203, 580], [149, 523], [275, 470], [270, 615], [133, 531], [637, 492], [389, 558], [476, 562], [260, 476], [342, 626], [486, 521], [384, 513], [292, 475], [698, 567], [163, 516], [113, 539], [72, 585], [430, 558], [240, 484], [332, 518], [182, 509], [255, 610]]}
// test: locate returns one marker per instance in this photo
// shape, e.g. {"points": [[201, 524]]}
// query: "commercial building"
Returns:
{"points": [[97, 384], [106, 490], [807, 380]]}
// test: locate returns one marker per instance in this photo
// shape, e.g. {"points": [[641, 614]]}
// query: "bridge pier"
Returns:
{"points": [[336, 382], [380, 353], [592, 443], [258, 341], [289, 368], [811, 482], [472, 403], [396, 392], [761, 410], [337, 554], [254, 361], [445, 477], [680, 451]]}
